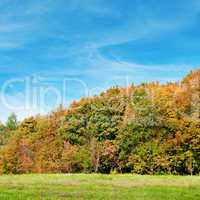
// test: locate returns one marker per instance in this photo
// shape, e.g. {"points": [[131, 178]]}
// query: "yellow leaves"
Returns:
{"points": [[171, 113], [179, 138], [192, 78]]}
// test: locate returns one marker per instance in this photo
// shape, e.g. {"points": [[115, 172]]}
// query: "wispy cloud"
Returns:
{"points": [[106, 68], [19, 22]]}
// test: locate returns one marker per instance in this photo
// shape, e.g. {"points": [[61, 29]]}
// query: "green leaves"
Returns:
{"points": [[12, 122]]}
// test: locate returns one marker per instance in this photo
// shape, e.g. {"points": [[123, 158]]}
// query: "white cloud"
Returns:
{"points": [[19, 23], [103, 67]]}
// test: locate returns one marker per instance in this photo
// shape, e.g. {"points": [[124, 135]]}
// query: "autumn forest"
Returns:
{"points": [[150, 128]]}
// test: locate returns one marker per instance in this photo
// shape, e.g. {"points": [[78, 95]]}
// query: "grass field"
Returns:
{"points": [[96, 186]]}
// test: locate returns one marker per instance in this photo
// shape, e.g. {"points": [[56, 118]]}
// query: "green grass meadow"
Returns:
{"points": [[97, 186]]}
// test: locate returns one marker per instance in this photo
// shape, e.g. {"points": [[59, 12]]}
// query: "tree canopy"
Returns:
{"points": [[145, 129]]}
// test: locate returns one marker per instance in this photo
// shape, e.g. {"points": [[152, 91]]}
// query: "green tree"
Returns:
{"points": [[12, 122]]}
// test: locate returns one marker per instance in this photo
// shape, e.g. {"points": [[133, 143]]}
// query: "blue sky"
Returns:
{"points": [[91, 45]]}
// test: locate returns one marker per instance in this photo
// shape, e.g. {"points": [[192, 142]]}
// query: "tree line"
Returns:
{"points": [[150, 128]]}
